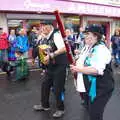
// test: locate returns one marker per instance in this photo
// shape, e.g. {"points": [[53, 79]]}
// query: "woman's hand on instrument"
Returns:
{"points": [[74, 68], [76, 52]]}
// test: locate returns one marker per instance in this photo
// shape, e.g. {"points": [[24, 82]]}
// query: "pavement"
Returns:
{"points": [[18, 98]]}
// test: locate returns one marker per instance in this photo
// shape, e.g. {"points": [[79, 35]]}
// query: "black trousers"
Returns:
{"points": [[96, 108], [55, 77]]}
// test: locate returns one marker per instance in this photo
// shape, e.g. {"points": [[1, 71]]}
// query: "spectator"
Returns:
{"points": [[22, 43], [71, 38], [80, 39], [115, 40], [33, 37], [12, 46], [3, 45], [4, 52]]}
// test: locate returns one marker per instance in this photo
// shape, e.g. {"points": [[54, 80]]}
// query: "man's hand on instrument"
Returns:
{"points": [[52, 55], [46, 60]]}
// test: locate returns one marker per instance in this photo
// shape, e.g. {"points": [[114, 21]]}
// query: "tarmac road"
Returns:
{"points": [[18, 98]]}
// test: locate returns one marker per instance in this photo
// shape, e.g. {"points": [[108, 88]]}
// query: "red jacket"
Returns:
{"points": [[3, 41]]}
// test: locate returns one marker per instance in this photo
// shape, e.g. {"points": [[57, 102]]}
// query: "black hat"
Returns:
{"points": [[94, 28]]}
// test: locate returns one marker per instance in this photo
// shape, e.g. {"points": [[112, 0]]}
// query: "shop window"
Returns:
{"points": [[26, 24], [117, 24], [72, 22]]}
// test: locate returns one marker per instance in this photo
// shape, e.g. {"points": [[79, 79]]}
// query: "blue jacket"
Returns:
{"points": [[22, 43]]}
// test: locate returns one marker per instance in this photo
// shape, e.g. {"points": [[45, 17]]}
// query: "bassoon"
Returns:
{"points": [[67, 45], [66, 42]]}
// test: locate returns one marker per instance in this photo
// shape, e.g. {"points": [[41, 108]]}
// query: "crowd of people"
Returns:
{"points": [[14, 52], [94, 73]]}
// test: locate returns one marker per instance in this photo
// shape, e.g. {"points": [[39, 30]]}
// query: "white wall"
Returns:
{"points": [[3, 22]]}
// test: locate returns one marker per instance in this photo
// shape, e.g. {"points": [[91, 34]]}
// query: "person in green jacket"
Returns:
{"points": [[21, 66]]}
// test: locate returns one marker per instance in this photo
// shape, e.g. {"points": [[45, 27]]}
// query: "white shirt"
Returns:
{"points": [[58, 40], [99, 59]]}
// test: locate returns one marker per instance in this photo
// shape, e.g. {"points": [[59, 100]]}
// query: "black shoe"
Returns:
{"points": [[40, 108]]}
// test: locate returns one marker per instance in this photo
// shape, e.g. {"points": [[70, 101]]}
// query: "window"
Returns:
{"points": [[72, 22]]}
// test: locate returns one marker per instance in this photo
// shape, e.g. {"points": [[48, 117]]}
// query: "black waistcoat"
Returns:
{"points": [[104, 83], [60, 59]]}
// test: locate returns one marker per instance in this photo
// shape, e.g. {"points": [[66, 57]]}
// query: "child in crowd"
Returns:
{"points": [[21, 66]]}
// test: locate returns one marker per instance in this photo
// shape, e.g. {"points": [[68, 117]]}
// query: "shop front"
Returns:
{"points": [[74, 13], [27, 21]]}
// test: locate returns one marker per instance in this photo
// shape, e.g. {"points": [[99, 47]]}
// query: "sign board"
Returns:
{"points": [[64, 6]]}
